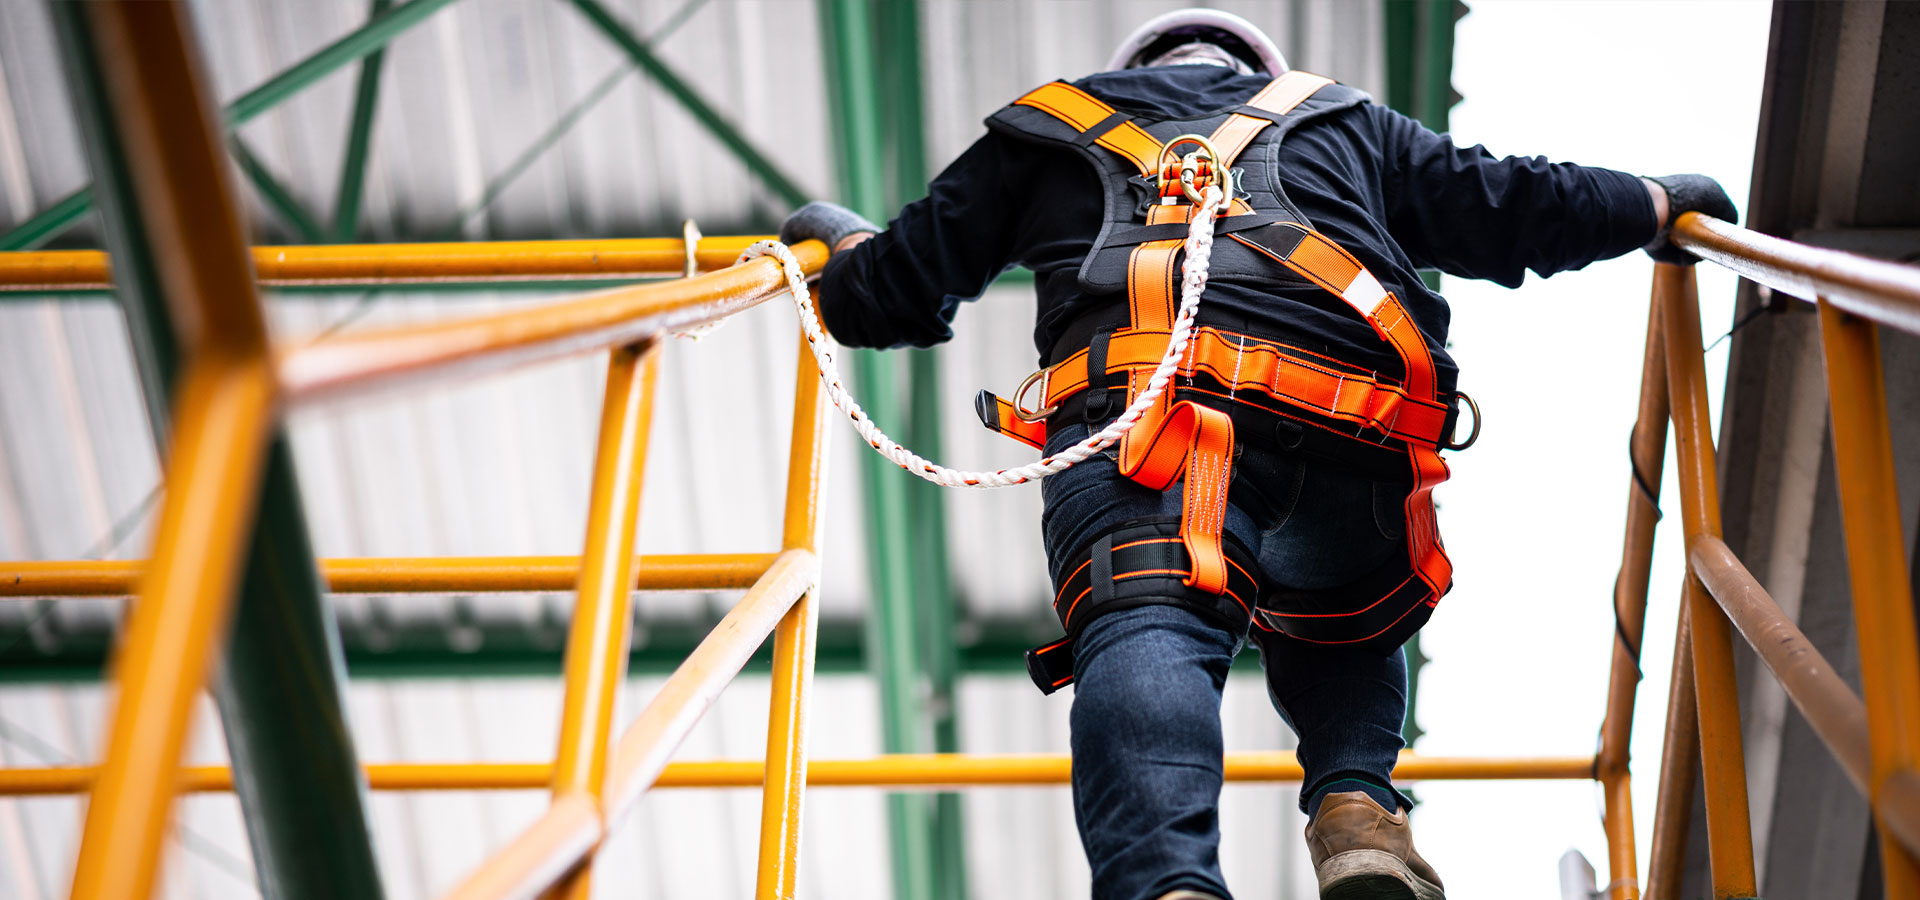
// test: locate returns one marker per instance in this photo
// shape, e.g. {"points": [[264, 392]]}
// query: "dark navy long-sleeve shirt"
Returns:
{"points": [[1397, 196]]}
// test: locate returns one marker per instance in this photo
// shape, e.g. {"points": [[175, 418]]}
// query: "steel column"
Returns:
{"points": [[1723, 762], [596, 663], [787, 766], [378, 32], [897, 45], [1877, 567], [762, 166], [847, 28]]}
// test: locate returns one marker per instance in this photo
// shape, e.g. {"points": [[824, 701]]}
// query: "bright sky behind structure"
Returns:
{"points": [[1534, 516]]}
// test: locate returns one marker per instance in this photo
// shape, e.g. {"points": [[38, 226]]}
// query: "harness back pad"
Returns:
{"points": [[1128, 192]]}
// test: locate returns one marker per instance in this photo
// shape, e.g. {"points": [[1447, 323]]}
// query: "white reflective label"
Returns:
{"points": [[1365, 293]]}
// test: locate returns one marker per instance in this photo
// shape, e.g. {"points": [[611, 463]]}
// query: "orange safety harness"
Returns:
{"points": [[1189, 434]]}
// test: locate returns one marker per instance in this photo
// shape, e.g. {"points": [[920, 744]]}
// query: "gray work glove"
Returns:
{"points": [[828, 223], [1688, 193]]}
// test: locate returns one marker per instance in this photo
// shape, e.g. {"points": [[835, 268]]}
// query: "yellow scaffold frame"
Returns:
{"points": [[236, 383]]}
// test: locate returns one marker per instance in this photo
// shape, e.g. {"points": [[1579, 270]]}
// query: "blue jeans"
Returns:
{"points": [[1147, 681]]}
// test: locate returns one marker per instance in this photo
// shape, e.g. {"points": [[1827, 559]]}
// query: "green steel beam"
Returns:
{"points": [[353, 170], [276, 195], [1419, 45], [636, 49], [430, 651], [895, 634], [378, 32], [996, 647], [278, 690], [49, 223], [903, 129]]}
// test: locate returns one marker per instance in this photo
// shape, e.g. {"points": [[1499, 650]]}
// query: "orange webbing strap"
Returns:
{"points": [[1153, 294], [1083, 112], [1325, 263], [1194, 442], [1279, 97], [998, 415]]}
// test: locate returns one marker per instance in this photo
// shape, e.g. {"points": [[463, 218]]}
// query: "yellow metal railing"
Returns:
{"points": [[1877, 742], [404, 264]]}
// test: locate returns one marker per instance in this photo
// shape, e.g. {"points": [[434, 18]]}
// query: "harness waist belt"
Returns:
{"points": [[1243, 363]]}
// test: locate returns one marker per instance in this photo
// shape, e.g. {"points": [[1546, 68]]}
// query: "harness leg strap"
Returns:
{"points": [[1143, 562]]}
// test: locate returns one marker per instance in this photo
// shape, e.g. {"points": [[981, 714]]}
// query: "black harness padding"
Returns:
{"points": [[1257, 180], [1141, 563], [1098, 397]]}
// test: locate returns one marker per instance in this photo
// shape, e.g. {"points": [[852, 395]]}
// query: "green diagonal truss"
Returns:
{"points": [[53, 221]]}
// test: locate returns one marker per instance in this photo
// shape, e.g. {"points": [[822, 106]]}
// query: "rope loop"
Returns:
{"points": [[1193, 282]]}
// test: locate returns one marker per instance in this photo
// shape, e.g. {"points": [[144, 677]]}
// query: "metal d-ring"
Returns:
{"points": [[1473, 435], [1019, 396], [1190, 163]]}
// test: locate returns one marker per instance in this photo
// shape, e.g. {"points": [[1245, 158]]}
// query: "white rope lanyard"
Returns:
{"points": [[1193, 281]]}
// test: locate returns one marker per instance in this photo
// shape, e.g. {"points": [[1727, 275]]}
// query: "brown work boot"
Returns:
{"points": [[1361, 852]]}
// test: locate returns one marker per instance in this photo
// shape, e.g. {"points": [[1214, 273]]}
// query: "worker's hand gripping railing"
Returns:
{"points": [[1878, 742]]}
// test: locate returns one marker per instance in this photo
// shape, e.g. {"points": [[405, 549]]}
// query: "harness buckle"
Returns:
{"points": [[1020, 410], [1473, 435]]}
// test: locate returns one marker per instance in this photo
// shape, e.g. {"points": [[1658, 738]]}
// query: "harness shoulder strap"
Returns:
{"points": [[1278, 98], [1096, 122]]}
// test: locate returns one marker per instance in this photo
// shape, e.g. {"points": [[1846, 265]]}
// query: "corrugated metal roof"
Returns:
{"points": [[500, 466]]}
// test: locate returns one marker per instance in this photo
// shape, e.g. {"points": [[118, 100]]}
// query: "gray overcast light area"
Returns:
{"points": [[1534, 514]]}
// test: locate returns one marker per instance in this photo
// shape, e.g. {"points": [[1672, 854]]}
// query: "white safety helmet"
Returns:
{"points": [[1240, 38]]}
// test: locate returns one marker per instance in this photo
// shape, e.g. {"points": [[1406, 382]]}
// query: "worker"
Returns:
{"points": [[1279, 490]]}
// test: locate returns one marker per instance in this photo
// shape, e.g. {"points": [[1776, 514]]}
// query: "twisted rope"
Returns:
{"points": [[1193, 281]]}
